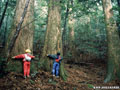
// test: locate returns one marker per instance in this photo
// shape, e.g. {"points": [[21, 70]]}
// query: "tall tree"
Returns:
{"points": [[113, 68], [53, 38], [71, 28], [24, 39], [53, 34], [65, 23], [71, 32]]}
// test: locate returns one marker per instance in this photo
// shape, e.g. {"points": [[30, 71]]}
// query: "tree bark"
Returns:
{"points": [[53, 37], [52, 41], [113, 68]]}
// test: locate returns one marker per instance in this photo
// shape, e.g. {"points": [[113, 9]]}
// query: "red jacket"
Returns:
{"points": [[23, 56]]}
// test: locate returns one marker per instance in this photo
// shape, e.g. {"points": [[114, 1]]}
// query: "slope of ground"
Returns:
{"points": [[80, 78]]}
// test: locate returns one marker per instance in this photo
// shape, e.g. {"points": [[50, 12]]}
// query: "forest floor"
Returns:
{"points": [[81, 77]]}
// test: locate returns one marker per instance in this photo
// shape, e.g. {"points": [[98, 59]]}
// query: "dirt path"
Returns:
{"points": [[80, 78]]}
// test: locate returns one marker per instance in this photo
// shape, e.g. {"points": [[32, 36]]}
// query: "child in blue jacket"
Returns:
{"points": [[56, 63]]}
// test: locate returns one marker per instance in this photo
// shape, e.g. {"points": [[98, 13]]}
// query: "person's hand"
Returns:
{"points": [[47, 55], [33, 57]]}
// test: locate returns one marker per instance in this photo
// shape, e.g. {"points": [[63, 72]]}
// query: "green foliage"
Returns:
{"points": [[84, 7], [32, 82], [90, 86], [8, 19], [116, 10], [89, 28], [41, 12], [90, 36]]}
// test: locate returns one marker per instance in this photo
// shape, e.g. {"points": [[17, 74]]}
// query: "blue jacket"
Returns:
{"points": [[54, 57]]}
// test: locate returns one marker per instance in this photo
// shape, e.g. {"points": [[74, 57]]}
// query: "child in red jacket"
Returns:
{"points": [[26, 61]]}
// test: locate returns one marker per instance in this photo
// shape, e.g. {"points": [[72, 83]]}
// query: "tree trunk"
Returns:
{"points": [[64, 30], [53, 29], [53, 38], [71, 36], [24, 39], [113, 68], [71, 32]]}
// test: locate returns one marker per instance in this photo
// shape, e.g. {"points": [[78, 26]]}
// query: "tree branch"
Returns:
{"points": [[3, 14]]}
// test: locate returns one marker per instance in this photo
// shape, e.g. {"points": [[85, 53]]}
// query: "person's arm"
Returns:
{"points": [[19, 56], [51, 56], [32, 56], [61, 58]]}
